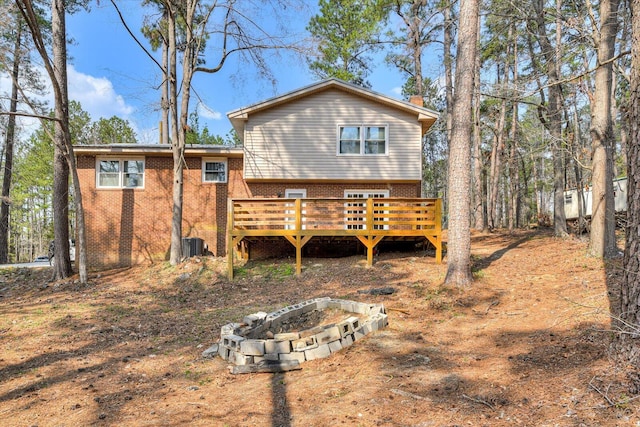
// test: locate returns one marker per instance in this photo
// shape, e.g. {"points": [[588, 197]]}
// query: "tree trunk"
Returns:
{"points": [[62, 266], [514, 182], [553, 118], [497, 149], [8, 149], [459, 244], [478, 194], [178, 166], [165, 89], [627, 343], [576, 148], [602, 240], [448, 71]]}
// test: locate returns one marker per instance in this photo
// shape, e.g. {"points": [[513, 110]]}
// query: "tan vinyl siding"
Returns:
{"points": [[298, 140]]}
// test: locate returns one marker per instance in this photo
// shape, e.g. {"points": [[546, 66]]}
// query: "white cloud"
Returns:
{"points": [[97, 95], [397, 91]]}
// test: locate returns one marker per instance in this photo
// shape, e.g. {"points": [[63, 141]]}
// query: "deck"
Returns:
{"points": [[299, 220]]}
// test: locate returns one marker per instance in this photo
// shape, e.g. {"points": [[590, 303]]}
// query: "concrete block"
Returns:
{"points": [[361, 308], [241, 359], [309, 306], [367, 327], [379, 321], [345, 328], [335, 346], [347, 340], [334, 304], [224, 352], [317, 353], [355, 322], [348, 305], [376, 309], [286, 336], [304, 344], [254, 319], [252, 347], [268, 356], [322, 303], [329, 334], [232, 341], [310, 332], [211, 351], [229, 329], [273, 346], [383, 321], [358, 334], [299, 356]]}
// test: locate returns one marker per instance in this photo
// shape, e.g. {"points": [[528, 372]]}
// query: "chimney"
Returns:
{"points": [[416, 100]]}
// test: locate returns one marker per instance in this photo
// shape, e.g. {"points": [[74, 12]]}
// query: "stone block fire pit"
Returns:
{"points": [[271, 338]]}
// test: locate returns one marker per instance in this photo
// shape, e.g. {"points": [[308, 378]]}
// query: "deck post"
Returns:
{"points": [[369, 217], [299, 242], [438, 230], [370, 243], [230, 248]]}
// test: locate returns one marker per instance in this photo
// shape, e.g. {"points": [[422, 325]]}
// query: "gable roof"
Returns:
{"points": [[424, 115]]}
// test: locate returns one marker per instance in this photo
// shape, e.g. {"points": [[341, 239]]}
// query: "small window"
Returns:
{"points": [[568, 198], [214, 170], [362, 140], [120, 173]]}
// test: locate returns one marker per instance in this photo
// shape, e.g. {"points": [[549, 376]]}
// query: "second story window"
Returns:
{"points": [[363, 140], [120, 173]]}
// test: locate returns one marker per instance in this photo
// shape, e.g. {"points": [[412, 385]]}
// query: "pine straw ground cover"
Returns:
{"points": [[526, 345]]}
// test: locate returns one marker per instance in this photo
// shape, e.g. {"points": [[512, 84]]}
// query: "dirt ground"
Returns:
{"points": [[526, 345]]}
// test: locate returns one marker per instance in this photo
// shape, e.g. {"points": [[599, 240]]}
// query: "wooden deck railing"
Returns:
{"points": [[369, 220]]}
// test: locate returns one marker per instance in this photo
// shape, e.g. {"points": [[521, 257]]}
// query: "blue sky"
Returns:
{"points": [[110, 75]]}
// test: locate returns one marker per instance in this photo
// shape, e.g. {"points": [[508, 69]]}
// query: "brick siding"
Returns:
{"points": [[132, 226]]}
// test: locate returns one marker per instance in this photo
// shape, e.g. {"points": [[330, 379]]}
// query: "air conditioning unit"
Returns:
{"points": [[192, 246]]}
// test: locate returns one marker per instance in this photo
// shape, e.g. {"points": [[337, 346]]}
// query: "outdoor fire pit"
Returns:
{"points": [[269, 339]]}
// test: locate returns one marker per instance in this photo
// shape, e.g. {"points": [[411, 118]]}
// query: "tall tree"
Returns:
{"points": [[346, 32], [25, 87], [459, 245], [64, 160], [9, 144], [552, 115], [628, 340], [603, 239]]}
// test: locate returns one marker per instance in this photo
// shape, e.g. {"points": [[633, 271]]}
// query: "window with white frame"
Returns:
{"points": [[120, 173], [356, 209], [363, 140], [294, 193], [214, 170]]}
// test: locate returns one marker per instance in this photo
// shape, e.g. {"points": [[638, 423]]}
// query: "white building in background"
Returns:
{"points": [[571, 207]]}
